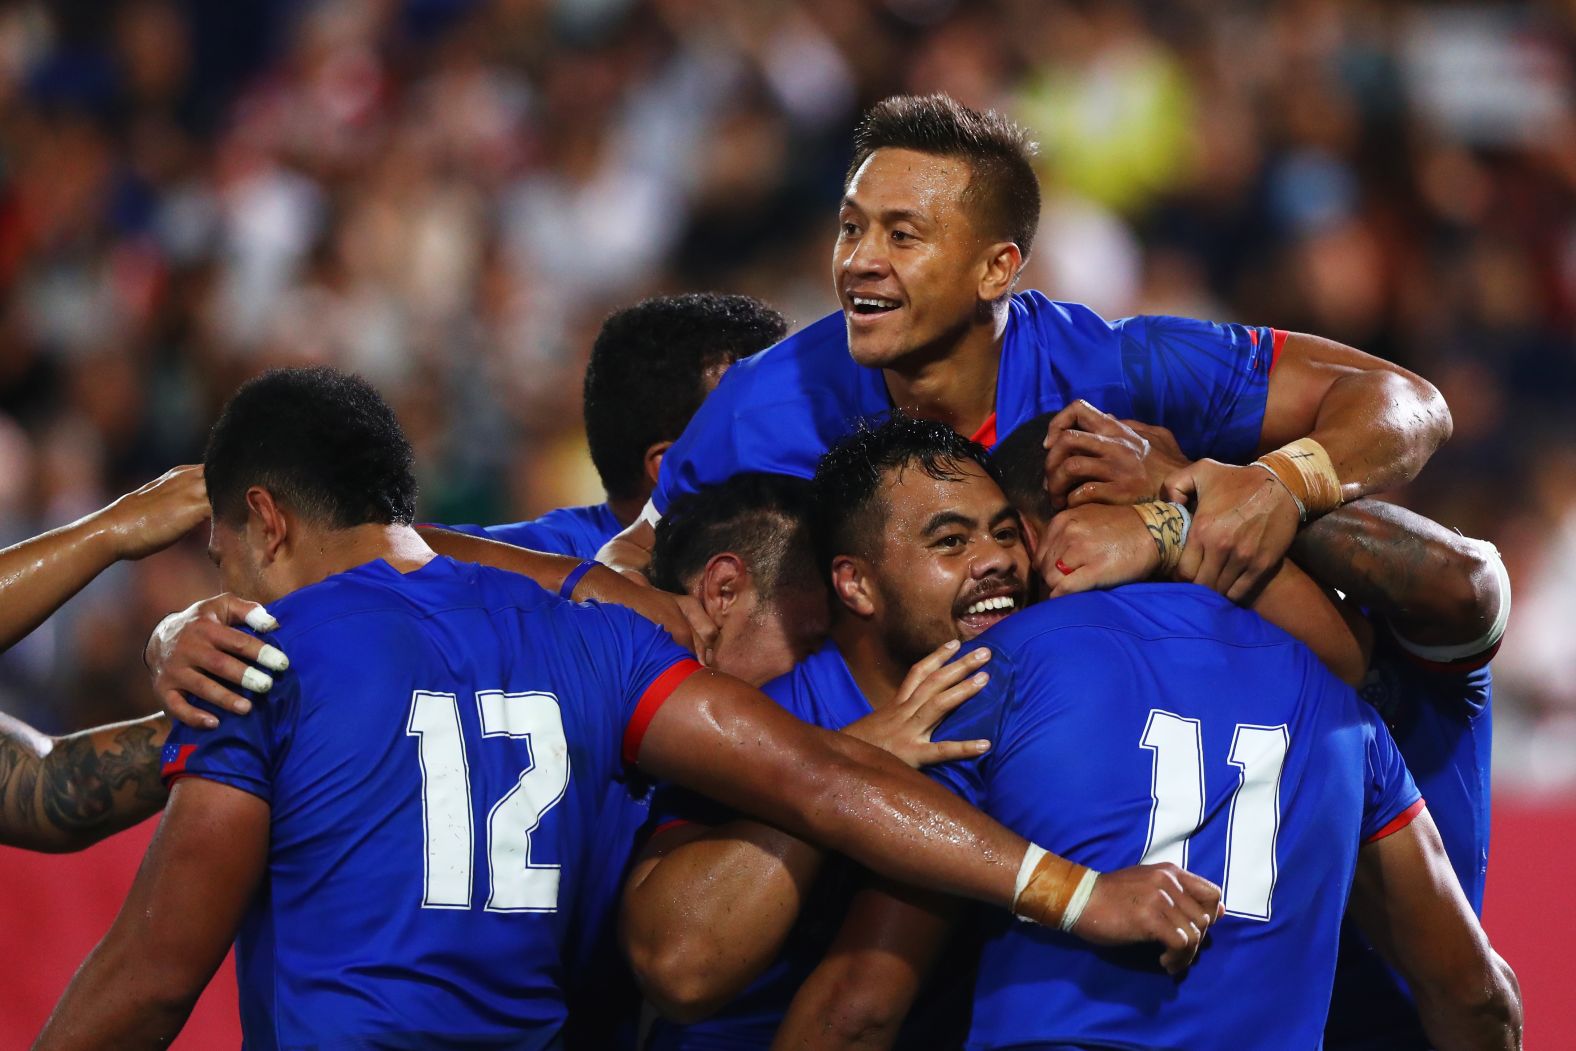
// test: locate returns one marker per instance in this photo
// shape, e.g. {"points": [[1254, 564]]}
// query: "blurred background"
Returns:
{"points": [[448, 196]]}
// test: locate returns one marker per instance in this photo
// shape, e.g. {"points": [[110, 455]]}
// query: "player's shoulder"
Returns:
{"points": [[819, 689], [1146, 612], [580, 531], [1061, 323], [818, 350]]}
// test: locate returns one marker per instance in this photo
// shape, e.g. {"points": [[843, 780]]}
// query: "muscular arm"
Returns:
{"points": [[64, 794], [1379, 422], [139, 984], [706, 910], [1435, 586], [860, 993], [37, 576], [1408, 903], [629, 552]]}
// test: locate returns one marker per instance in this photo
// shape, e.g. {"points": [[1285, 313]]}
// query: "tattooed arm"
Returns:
{"points": [[1436, 587], [66, 793]]}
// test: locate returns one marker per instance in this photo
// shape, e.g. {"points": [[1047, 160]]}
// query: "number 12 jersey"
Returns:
{"points": [[438, 762]]}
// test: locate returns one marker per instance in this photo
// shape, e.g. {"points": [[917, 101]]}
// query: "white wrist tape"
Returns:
{"points": [[1079, 900], [1031, 859], [1187, 521], [650, 514]]}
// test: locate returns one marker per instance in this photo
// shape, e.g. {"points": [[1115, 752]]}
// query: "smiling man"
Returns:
{"points": [[938, 214]]}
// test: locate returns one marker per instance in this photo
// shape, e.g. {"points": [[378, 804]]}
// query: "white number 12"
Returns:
{"points": [[516, 884], [1177, 791]]}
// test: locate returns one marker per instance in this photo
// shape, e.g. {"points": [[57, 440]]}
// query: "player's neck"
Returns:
{"points": [[321, 553], [627, 508], [956, 387], [876, 672]]}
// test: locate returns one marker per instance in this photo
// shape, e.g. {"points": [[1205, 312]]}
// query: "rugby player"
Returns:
{"points": [[1437, 605], [938, 214], [335, 829], [1159, 721]]}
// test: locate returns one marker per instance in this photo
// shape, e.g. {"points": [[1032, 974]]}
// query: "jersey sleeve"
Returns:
{"points": [[1206, 382], [1390, 798], [239, 752], [647, 665], [708, 452]]}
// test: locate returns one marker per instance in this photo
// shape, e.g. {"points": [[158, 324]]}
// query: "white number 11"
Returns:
{"points": [[1177, 791], [516, 885]]}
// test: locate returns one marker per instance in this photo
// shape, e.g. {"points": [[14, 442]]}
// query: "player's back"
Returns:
{"points": [[438, 762], [1161, 723]]}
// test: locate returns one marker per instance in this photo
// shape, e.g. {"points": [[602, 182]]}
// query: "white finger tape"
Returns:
{"points": [[259, 619], [256, 681]]}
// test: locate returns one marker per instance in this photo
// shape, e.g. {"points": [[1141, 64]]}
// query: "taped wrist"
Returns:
{"points": [[1168, 527], [1304, 468], [1051, 890]]}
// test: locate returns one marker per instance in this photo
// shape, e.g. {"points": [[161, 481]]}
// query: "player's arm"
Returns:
{"points": [[691, 628], [720, 737], [60, 794], [1409, 905], [1436, 587], [139, 984], [37, 576], [629, 553], [706, 909], [1376, 424], [859, 994]]}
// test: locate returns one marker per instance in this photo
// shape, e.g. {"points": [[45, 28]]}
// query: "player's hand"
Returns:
{"points": [[930, 691], [1243, 523], [1095, 546], [198, 652], [684, 618], [158, 514], [1092, 457], [1152, 903], [703, 630]]}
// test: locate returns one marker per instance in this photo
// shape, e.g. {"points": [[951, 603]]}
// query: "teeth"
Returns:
{"points": [[879, 304], [990, 605]]}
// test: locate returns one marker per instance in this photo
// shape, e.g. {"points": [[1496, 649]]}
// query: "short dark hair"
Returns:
{"points": [[321, 441], [763, 517], [644, 379], [850, 515], [1003, 189], [1020, 467]]}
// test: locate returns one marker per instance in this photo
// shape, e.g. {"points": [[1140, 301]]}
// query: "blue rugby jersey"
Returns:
{"points": [[439, 762], [1442, 719], [1160, 722], [779, 410]]}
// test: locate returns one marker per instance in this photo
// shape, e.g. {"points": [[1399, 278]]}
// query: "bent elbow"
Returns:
{"points": [[681, 980]]}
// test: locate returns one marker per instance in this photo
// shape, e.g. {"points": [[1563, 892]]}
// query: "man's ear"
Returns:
{"points": [[272, 525], [722, 583], [653, 461], [1002, 263], [853, 585]]}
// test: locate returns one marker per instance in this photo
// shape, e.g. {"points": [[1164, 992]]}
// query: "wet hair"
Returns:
{"points": [[850, 514], [321, 441], [1019, 459], [763, 518], [645, 377], [1003, 191]]}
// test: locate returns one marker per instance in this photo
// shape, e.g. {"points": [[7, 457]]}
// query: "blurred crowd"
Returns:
{"points": [[449, 195]]}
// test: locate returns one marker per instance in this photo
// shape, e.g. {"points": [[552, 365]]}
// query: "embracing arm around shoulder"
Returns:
{"points": [[1407, 901], [185, 906]]}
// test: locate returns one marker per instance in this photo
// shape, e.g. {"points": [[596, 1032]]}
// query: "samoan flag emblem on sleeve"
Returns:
{"points": [[173, 759]]}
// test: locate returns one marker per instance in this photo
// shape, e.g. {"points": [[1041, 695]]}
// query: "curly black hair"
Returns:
{"points": [[321, 441]]}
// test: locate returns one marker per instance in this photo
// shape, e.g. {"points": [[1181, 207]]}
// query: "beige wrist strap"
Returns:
{"points": [[1304, 468], [1053, 888]]}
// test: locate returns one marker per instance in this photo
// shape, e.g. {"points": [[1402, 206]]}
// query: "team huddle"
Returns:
{"points": [[957, 608]]}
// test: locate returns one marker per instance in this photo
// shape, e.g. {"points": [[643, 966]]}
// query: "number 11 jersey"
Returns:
{"points": [[438, 762], [1159, 722]]}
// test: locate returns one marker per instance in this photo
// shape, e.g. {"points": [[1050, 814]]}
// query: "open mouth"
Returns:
{"points": [[982, 614], [871, 306]]}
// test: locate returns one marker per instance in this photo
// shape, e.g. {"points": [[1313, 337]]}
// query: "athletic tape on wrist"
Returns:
{"points": [[567, 588], [1168, 525], [1305, 469], [1047, 894]]}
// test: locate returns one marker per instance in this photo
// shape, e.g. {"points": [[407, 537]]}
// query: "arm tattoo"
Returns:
{"points": [[88, 786]]}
